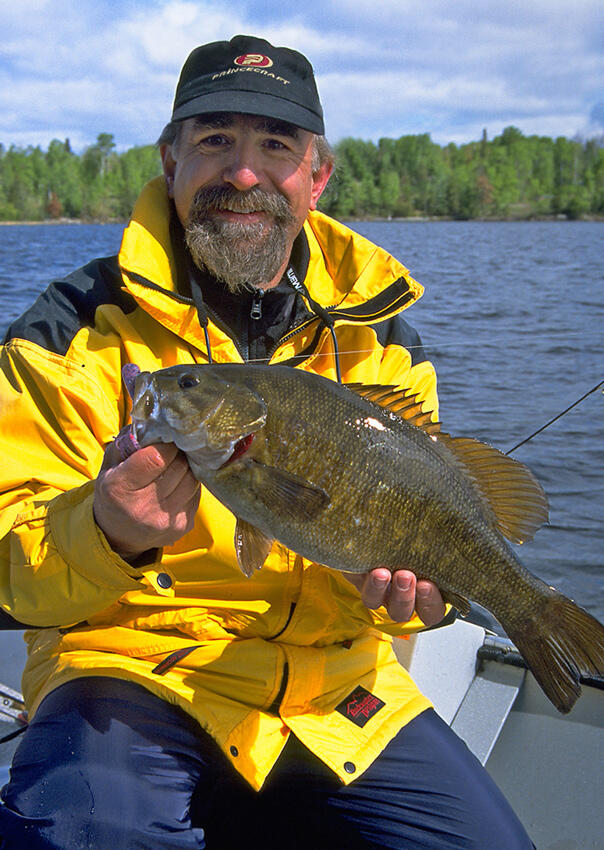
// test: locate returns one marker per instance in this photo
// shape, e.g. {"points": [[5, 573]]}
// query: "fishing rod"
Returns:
{"points": [[527, 439], [555, 418]]}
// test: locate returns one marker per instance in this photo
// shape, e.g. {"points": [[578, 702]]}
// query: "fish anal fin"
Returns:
{"points": [[456, 600], [287, 494], [251, 546], [403, 402], [516, 498]]}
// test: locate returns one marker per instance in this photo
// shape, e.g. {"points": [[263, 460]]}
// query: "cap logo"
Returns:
{"points": [[256, 59]]}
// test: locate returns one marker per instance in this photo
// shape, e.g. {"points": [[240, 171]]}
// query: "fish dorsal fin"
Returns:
{"points": [[515, 496], [398, 400], [517, 501]]}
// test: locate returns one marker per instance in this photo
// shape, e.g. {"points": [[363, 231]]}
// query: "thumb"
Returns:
{"points": [[148, 464], [142, 467]]}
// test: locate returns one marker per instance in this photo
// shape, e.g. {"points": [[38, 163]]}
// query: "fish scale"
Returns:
{"points": [[342, 476]]}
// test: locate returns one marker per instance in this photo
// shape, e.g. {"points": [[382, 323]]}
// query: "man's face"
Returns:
{"points": [[242, 186]]}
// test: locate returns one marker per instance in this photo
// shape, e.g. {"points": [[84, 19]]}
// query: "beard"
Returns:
{"points": [[241, 255]]}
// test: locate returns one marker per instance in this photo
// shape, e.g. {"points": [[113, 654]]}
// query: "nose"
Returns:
{"points": [[243, 170]]}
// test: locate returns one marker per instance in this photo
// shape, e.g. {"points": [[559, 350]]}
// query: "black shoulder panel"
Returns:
{"points": [[396, 331], [70, 304], [8, 623]]}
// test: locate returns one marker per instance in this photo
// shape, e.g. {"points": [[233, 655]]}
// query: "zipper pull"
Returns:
{"points": [[256, 311]]}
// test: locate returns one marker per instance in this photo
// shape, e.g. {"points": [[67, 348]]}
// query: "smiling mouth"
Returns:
{"points": [[229, 211]]}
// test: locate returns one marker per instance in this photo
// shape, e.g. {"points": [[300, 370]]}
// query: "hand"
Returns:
{"points": [[147, 501], [401, 593]]}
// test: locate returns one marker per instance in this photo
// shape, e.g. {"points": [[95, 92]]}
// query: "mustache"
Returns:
{"points": [[210, 198]]}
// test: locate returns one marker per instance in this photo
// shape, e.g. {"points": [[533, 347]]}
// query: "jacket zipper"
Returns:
{"points": [[256, 308], [241, 345]]}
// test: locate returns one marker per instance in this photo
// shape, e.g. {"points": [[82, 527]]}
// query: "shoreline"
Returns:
{"points": [[560, 217], [55, 221]]}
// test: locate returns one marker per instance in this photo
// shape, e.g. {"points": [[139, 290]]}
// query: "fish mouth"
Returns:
{"points": [[239, 449]]}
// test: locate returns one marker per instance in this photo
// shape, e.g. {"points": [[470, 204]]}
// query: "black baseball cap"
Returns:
{"points": [[247, 74]]}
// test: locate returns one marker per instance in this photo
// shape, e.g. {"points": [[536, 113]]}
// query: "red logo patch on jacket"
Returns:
{"points": [[360, 706]]}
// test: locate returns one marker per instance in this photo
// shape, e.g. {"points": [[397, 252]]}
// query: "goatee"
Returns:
{"points": [[242, 255]]}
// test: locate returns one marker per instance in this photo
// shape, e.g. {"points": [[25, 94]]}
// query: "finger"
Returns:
{"points": [[429, 603], [374, 590], [193, 502], [185, 520], [177, 481], [148, 464], [187, 492], [401, 596]]}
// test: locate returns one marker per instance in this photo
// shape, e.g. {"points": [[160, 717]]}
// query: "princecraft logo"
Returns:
{"points": [[252, 63], [255, 59]]}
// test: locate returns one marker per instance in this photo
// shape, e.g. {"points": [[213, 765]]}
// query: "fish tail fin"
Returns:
{"points": [[561, 644]]}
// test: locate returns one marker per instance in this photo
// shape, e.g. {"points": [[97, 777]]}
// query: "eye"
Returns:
{"points": [[214, 140], [275, 145], [186, 381]]}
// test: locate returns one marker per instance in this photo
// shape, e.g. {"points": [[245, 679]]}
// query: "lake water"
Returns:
{"points": [[512, 316]]}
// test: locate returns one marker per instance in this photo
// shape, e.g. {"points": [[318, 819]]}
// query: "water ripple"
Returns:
{"points": [[512, 317]]}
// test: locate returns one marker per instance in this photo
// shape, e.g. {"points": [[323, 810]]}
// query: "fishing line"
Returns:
{"points": [[522, 442], [555, 419], [321, 312]]}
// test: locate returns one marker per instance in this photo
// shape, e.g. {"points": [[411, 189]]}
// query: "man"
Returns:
{"points": [[175, 703]]}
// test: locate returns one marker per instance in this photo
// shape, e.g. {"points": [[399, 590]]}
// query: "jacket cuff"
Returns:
{"points": [[82, 544], [385, 624]]}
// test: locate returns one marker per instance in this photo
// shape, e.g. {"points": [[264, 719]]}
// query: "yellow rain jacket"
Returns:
{"points": [[290, 649]]}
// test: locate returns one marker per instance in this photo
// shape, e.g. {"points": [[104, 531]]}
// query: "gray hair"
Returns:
{"points": [[322, 153]]}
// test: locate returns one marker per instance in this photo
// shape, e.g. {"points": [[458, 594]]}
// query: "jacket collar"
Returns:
{"points": [[346, 273]]}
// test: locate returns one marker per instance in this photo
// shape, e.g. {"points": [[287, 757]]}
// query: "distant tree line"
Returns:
{"points": [[511, 176], [98, 185]]}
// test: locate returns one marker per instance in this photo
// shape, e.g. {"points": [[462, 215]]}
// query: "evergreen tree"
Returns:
{"points": [[511, 175]]}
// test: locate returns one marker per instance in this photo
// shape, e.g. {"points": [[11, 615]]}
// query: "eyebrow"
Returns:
{"points": [[261, 123], [214, 120], [276, 127]]}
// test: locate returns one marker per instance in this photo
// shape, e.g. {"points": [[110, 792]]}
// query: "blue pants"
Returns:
{"points": [[106, 765]]}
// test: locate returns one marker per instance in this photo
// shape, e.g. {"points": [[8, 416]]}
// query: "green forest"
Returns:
{"points": [[512, 176]]}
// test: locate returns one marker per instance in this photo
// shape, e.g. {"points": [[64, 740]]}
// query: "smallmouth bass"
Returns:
{"points": [[356, 477]]}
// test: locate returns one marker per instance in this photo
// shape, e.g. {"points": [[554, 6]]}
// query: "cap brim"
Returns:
{"points": [[252, 103]]}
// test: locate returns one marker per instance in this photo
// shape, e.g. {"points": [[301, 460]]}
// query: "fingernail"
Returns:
{"points": [[379, 582], [403, 582]]}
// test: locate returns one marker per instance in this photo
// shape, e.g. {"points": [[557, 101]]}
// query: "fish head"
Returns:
{"points": [[200, 411]]}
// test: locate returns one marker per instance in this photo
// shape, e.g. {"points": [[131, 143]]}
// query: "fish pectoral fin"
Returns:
{"points": [[252, 547], [287, 494], [515, 496], [457, 601]]}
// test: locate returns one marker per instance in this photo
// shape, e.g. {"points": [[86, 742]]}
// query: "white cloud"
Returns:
{"points": [[74, 69]]}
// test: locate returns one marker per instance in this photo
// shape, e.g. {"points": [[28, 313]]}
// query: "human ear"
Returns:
{"points": [[168, 164], [319, 181]]}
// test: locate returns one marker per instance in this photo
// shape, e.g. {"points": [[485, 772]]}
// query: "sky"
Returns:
{"points": [[385, 68]]}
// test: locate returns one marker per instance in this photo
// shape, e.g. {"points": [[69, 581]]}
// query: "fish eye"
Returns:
{"points": [[185, 382]]}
